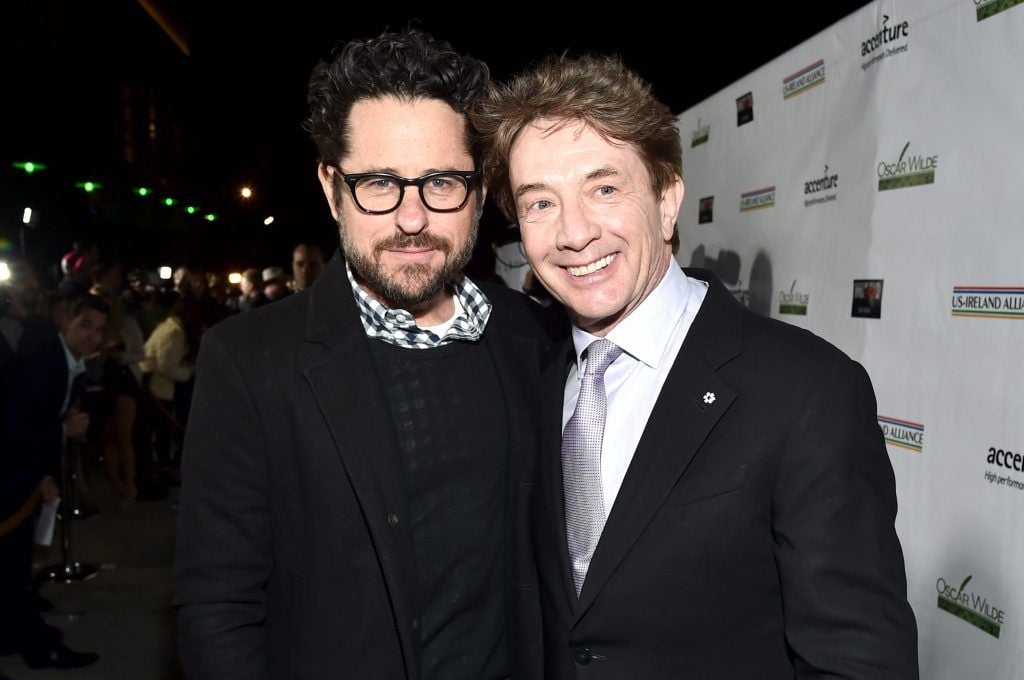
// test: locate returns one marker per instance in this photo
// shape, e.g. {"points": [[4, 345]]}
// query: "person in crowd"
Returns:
{"points": [[168, 362], [360, 455], [275, 284], [38, 411], [716, 496], [77, 266], [307, 265], [21, 302], [252, 291], [123, 349]]}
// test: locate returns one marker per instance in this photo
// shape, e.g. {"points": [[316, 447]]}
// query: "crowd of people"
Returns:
{"points": [[97, 363]]}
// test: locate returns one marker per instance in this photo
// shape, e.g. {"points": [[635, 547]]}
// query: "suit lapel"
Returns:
{"points": [[692, 401], [352, 401], [553, 389], [679, 424]]}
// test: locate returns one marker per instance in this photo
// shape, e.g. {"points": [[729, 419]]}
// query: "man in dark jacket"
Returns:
{"points": [[39, 413], [358, 459]]}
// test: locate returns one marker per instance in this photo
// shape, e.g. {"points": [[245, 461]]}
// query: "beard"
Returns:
{"points": [[410, 286]]}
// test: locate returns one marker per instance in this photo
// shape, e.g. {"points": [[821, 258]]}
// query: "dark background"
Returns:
{"points": [[194, 99]]}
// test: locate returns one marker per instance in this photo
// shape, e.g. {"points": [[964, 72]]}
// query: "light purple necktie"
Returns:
{"points": [[581, 461]]}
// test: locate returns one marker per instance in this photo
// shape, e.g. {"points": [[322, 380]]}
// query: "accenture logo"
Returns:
{"points": [[889, 33]]}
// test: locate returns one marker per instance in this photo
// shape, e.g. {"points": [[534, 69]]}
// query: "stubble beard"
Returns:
{"points": [[411, 286]]}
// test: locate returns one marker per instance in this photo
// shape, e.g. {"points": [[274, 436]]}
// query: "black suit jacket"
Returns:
{"points": [[753, 533], [294, 556], [32, 390]]}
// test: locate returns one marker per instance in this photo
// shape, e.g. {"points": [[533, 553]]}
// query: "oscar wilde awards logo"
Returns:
{"points": [[793, 301], [758, 199], [804, 79], [970, 606], [990, 8], [907, 171], [886, 42], [993, 302], [700, 135], [826, 187], [902, 433]]}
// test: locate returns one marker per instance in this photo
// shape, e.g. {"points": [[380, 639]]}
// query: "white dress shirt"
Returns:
{"points": [[76, 367], [650, 338]]}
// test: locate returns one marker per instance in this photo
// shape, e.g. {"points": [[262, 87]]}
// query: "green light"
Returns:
{"points": [[210, 217], [142, 191], [89, 187], [29, 167], [169, 201], [191, 209]]}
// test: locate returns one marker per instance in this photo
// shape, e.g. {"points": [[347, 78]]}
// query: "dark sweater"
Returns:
{"points": [[450, 421]]}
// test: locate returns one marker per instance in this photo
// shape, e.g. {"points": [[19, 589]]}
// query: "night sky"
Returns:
{"points": [[238, 101]]}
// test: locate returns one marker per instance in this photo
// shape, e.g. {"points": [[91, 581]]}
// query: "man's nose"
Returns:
{"points": [[411, 216], [576, 228]]}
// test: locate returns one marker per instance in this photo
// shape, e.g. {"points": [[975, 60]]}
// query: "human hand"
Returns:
{"points": [[76, 423], [49, 490]]}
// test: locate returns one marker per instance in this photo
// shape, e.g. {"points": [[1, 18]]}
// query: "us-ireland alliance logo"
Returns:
{"points": [[804, 79], [902, 433], [993, 302]]}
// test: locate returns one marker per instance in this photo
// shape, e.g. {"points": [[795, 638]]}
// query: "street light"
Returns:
{"points": [[5, 271], [26, 216], [246, 192], [267, 222], [165, 273], [234, 278]]}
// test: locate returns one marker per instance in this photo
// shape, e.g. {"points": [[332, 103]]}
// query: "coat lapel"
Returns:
{"points": [[692, 401], [553, 389], [351, 398]]}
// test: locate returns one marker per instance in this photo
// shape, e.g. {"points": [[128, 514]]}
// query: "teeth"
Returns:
{"points": [[592, 267]]}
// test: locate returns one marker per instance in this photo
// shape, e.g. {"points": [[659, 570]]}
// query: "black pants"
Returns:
{"points": [[21, 627]]}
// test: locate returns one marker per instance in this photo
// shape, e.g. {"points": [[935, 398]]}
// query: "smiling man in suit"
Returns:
{"points": [[717, 500], [358, 458]]}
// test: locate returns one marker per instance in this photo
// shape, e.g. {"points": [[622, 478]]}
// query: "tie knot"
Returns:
{"points": [[600, 355]]}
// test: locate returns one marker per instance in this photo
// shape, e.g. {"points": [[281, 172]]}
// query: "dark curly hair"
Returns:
{"points": [[409, 64]]}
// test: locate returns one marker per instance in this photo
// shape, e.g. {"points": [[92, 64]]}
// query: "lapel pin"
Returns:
{"points": [[709, 397]]}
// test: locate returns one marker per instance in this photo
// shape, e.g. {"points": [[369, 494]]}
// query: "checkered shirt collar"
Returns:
{"points": [[398, 327]]}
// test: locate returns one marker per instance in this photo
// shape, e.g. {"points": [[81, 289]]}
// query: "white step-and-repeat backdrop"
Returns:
{"points": [[869, 185]]}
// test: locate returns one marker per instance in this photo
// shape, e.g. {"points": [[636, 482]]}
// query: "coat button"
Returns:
{"points": [[393, 520], [582, 656], [415, 624]]}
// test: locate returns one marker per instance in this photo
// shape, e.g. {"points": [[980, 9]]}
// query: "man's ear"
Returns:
{"points": [[326, 177], [671, 199]]}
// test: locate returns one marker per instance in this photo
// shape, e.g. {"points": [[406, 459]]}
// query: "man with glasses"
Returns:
{"points": [[357, 465]]}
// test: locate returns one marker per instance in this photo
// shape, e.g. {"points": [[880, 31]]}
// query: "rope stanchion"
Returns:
{"points": [[68, 570]]}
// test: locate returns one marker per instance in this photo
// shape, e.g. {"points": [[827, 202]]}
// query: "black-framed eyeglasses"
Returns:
{"points": [[381, 192]]}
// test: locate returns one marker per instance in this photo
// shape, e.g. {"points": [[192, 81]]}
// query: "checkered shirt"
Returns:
{"points": [[398, 327]]}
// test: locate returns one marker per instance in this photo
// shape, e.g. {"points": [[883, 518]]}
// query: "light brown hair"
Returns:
{"points": [[597, 91]]}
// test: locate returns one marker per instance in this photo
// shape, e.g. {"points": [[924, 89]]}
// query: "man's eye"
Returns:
{"points": [[542, 204], [605, 191], [382, 183]]}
